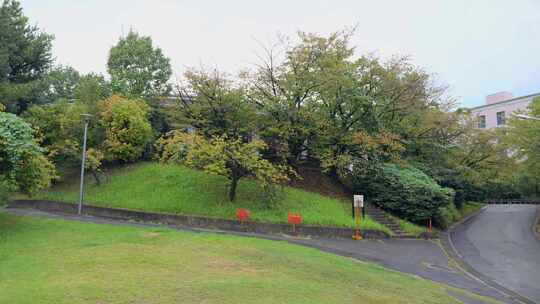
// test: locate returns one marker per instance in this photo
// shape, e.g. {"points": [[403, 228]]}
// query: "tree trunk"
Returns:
{"points": [[232, 188], [96, 177]]}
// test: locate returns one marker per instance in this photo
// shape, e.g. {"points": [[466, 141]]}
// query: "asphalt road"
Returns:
{"points": [[500, 244]]}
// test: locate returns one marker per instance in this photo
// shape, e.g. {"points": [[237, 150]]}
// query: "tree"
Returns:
{"points": [[58, 127], [92, 88], [126, 127], [211, 104], [25, 56], [137, 68], [61, 82], [232, 158], [284, 90], [23, 167], [522, 141]]}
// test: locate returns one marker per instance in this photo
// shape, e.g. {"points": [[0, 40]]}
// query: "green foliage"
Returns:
{"points": [[522, 138], [137, 68], [215, 107], [93, 162], [92, 88], [23, 167], [61, 82], [219, 155], [403, 190], [171, 188], [126, 127], [446, 216], [59, 128], [25, 55], [5, 191]]}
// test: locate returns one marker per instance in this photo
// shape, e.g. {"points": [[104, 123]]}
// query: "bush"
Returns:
{"points": [[4, 192], [403, 191], [127, 129], [23, 167], [465, 189], [446, 216]]}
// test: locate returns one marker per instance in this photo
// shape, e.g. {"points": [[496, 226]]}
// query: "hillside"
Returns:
{"points": [[174, 189]]}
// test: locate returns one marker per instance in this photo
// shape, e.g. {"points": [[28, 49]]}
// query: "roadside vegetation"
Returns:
{"points": [[380, 127], [163, 188], [57, 261]]}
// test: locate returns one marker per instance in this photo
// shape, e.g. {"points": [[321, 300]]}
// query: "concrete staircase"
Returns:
{"points": [[315, 181], [386, 220]]}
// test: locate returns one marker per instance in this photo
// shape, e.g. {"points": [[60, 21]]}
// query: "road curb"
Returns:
{"points": [[536, 225], [453, 253], [195, 221]]}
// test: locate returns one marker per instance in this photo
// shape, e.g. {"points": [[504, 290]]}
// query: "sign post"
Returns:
{"points": [[358, 202]]}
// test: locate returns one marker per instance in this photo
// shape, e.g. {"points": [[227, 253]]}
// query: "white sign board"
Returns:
{"points": [[358, 201]]}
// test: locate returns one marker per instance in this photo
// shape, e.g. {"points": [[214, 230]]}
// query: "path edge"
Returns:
{"points": [[193, 221]]}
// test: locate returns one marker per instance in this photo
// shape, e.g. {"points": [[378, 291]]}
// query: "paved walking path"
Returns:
{"points": [[424, 258]]}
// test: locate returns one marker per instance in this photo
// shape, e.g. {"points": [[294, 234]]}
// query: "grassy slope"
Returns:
{"points": [[173, 189], [55, 261], [469, 208], [414, 229]]}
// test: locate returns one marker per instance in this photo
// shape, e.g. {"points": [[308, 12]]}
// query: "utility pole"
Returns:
{"points": [[86, 119]]}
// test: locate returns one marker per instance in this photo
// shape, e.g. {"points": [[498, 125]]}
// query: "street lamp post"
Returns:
{"points": [[86, 119]]}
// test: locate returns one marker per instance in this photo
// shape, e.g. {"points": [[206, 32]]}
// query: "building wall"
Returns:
{"points": [[508, 107]]}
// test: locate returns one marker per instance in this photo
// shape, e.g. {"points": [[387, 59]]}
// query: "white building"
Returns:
{"points": [[499, 107]]}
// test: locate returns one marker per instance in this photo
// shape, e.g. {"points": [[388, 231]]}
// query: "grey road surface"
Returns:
{"points": [[500, 244]]}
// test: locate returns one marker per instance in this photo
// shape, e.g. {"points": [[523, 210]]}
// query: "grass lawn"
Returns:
{"points": [[469, 208], [52, 261], [174, 189], [411, 228]]}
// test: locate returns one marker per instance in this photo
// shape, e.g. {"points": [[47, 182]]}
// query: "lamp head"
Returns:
{"points": [[86, 117]]}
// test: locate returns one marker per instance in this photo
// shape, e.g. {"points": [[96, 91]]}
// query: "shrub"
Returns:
{"points": [[23, 167], [446, 216], [58, 126], [127, 129], [465, 189], [403, 190], [4, 192]]}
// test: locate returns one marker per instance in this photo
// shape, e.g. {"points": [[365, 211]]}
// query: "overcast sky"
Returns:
{"points": [[476, 47]]}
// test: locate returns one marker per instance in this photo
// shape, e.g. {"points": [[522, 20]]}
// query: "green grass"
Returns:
{"points": [[469, 208], [411, 228], [174, 189], [51, 261]]}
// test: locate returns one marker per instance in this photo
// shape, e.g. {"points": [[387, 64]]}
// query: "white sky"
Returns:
{"points": [[476, 47]]}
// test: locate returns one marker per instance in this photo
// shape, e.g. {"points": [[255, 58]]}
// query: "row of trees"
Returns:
{"points": [[312, 100]]}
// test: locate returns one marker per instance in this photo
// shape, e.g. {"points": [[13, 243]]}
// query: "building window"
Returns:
{"points": [[501, 118], [481, 121]]}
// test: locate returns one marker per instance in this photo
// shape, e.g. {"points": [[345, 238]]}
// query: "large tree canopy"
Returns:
{"points": [[137, 68], [211, 103], [25, 55]]}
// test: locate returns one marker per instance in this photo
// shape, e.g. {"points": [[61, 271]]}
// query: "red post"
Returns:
{"points": [[242, 214], [294, 219], [430, 227]]}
